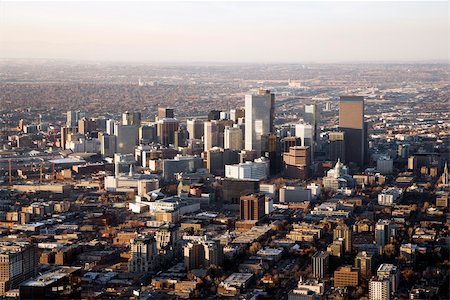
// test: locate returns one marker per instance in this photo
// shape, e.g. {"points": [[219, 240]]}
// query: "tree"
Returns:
{"points": [[255, 247], [389, 250]]}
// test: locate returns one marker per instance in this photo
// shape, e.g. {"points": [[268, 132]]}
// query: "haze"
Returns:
{"points": [[226, 32]]}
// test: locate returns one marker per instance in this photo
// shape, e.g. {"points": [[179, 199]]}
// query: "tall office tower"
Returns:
{"points": [[131, 118], [107, 144], [166, 128], [336, 146], [18, 262], [164, 112], [147, 134], [305, 132], [195, 128], [379, 289], [65, 132], [320, 264], [181, 137], [364, 262], [211, 134], [194, 253], [213, 253], [390, 272], [126, 138], [312, 116], [86, 125], [110, 126], [232, 138], [237, 113], [252, 206], [383, 230], [214, 115], [344, 232], [73, 116], [297, 162], [259, 116], [144, 255], [351, 122]]}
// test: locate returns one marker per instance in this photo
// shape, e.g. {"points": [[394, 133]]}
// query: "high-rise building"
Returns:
{"points": [[194, 253], [252, 206], [312, 116], [259, 116], [147, 134], [166, 128], [164, 112], [236, 114], [336, 146], [233, 138], [110, 126], [144, 255], [131, 118], [383, 232], [214, 115], [202, 253], [364, 261], [320, 264], [211, 134], [18, 262], [344, 232], [306, 134], [390, 272], [73, 117], [107, 144], [86, 125], [290, 141], [126, 138], [346, 276], [217, 158], [297, 162], [351, 122], [379, 289], [195, 128]]}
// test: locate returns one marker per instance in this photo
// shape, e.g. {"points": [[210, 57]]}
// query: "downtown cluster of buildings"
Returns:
{"points": [[235, 204]]}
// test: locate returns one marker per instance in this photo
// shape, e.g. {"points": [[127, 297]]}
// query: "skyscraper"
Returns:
{"points": [[351, 122], [211, 134], [195, 128], [312, 116], [164, 112], [379, 289], [259, 115], [320, 264], [344, 232], [232, 138], [336, 146], [166, 128], [131, 118], [126, 138]]}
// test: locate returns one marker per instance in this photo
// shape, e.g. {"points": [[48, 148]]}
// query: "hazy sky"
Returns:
{"points": [[226, 31]]}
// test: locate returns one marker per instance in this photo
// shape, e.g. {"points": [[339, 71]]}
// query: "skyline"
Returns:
{"points": [[297, 32]]}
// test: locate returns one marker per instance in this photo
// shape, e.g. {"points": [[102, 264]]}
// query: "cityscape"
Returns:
{"points": [[224, 179]]}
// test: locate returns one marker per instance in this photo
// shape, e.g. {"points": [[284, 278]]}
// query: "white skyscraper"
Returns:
{"points": [[305, 133], [233, 138], [379, 289], [312, 116], [259, 115]]}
